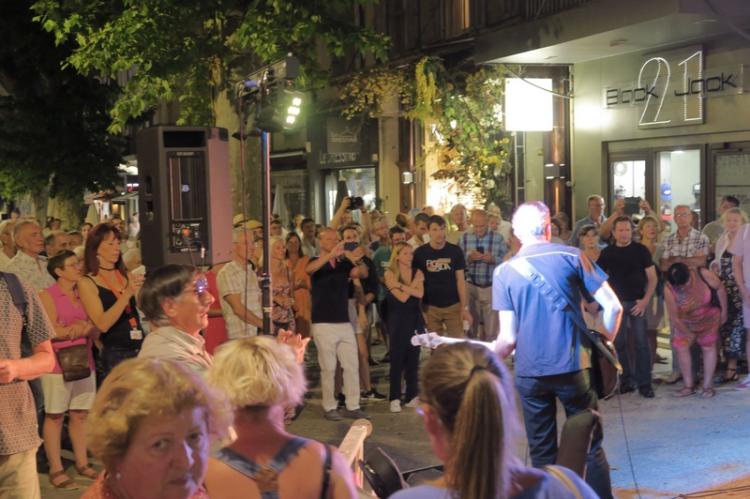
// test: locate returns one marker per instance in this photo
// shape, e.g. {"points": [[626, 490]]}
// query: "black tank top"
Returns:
{"points": [[118, 335]]}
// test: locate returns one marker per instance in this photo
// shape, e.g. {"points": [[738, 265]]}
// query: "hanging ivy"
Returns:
{"points": [[464, 111]]}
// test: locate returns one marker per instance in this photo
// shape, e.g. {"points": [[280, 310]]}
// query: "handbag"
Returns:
{"points": [[605, 368], [74, 362]]}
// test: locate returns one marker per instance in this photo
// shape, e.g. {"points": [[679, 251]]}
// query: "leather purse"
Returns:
{"points": [[74, 362]]}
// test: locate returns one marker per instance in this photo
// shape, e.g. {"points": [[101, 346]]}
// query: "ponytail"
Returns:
{"points": [[469, 390], [478, 467]]}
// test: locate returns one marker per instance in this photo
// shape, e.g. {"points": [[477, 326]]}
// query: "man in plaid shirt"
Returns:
{"points": [[687, 246], [484, 250]]}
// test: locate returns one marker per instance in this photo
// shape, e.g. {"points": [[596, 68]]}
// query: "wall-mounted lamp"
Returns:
{"points": [[553, 171], [407, 177]]}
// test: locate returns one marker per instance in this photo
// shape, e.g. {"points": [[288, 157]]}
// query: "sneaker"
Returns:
{"points": [[355, 414], [373, 394], [646, 391], [333, 415], [413, 403], [395, 405], [745, 383]]}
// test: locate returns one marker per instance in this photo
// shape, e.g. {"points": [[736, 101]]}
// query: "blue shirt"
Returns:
{"points": [[477, 272], [548, 340]]}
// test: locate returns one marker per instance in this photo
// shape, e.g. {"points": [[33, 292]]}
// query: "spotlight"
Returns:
{"points": [[282, 110]]}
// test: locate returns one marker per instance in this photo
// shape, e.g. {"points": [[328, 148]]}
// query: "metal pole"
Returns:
{"points": [[265, 277]]}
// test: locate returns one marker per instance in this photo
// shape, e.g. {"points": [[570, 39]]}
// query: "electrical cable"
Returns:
{"points": [[627, 445], [568, 96]]}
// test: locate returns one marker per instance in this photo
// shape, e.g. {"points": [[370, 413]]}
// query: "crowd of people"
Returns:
{"points": [[98, 341]]}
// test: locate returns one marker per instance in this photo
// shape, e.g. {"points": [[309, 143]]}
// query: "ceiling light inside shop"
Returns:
{"points": [[528, 104]]}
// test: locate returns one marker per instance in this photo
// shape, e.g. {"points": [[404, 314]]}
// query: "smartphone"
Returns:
{"points": [[480, 249], [351, 246]]}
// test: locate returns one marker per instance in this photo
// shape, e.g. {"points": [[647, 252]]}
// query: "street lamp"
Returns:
{"points": [[277, 107]]}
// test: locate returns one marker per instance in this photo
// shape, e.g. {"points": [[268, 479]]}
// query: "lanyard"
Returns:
{"points": [[128, 309]]}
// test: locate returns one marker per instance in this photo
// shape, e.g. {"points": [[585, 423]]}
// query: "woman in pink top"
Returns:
{"points": [[688, 296], [72, 327]]}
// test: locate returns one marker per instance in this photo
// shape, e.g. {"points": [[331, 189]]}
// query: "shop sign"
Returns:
{"points": [[342, 136], [670, 88], [332, 158]]}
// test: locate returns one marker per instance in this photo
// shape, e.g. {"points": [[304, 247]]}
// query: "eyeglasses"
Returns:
{"points": [[200, 286]]}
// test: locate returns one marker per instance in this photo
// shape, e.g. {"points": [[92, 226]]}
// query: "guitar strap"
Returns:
{"points": [[560, 302]]}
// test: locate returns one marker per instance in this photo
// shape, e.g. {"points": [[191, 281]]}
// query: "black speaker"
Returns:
{"points": [[184, 199]]}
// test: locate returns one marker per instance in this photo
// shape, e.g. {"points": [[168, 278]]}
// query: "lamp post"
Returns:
{"points": [[277, 108]]}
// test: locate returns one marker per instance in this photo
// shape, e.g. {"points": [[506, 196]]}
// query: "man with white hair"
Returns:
{"points": [[238, 288], [552, 359], [29, 264]]}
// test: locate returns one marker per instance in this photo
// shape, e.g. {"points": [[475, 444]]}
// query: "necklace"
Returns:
{"points": [[105, 268]]}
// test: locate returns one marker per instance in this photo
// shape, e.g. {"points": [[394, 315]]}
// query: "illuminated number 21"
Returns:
{"points": [[692, 70], [662, 92]]}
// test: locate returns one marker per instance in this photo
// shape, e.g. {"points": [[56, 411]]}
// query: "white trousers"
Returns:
{"points": [[337, 342]]}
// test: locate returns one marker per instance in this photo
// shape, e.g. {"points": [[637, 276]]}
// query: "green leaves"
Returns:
{"points": [[463, 105], [166, 40]]}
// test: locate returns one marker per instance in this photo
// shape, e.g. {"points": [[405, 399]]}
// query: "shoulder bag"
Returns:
{"points": [[605, 368]]}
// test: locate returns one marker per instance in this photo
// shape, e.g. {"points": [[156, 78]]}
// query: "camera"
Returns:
{"points": [[632, 205], [351, 246], [356, 203]]}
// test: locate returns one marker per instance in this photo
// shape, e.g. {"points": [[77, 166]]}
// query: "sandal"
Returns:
{"points": [[685, 392], [707, 393], [87, 471], [66, 484]]}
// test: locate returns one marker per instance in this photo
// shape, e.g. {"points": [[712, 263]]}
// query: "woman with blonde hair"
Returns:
{"points": [[405, 286], [468, 409], [732, 332], [152, 425], [261, 379]]}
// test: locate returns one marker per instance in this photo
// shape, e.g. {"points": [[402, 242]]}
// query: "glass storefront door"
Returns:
{"points": [[629, 178], [679, 182], [664, 178]]}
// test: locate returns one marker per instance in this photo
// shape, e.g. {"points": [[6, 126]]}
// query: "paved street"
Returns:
{"points": [[678, 446]]}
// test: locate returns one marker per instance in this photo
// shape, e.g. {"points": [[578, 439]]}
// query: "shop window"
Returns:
{"points": [[732, 177]]}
